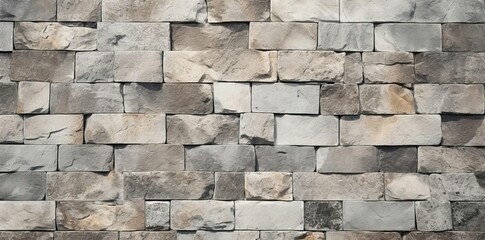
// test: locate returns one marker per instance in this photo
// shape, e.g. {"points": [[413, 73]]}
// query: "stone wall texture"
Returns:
{"points": [[242, 119]]}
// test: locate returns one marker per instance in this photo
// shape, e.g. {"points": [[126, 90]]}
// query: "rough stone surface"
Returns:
{"points": [[231, 158], [133, 36], [398, 159], [457, 187], [323, 215], [22, 186], [35, 215], [232, 97], [386, 99], [142, 235], [285, 98], [306, 10], [33, 97], [451, 159], [274, 35], [25, 235], [390, 130], [285, 158], [28, 158], [205, 215], [138, 66], [238, 10], [116, 216], [256, 128], [353, 67], [209, 129], [269, 215], [397, 186], [310, 66], [455, 235], [6, 36], [229, 186], [307, 130], [362, 235], [5, 59], [85, 158], [315, 186], [354, 159], [75, 10], [94, 67], [169, 185], [28, 10], [433, 216], [12, 129], [463, 37], [223, 235], [449, 98], [56, 66], [151, 157], [157, 215], [54, 36], [53, 129], [8, 98], [282, 235], [125, 128], [268, 186], [379, 216], [463, 130], [168, 98], [468, 216], [237, 65], [197, 37], [408, 37], [339, 99], [80, 235], [388, 67], [435, 67], [345, 36]]}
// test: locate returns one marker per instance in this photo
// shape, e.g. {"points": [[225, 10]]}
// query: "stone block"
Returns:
{"points": [[222, 235], [12, 130], [148, 235], [307, 130], [406, 37], [229, 186], [79, 11], [352, 159], [362, 235], [468, 216], [256, 128], [304, 11], [157, 215], [455, 235], [379, 216], [462, 130], [125, 128], [8, 98], [232, 97], [197, 37], [94, 67], [151, 157], [5, 59], [285, 98], [123, 36], [310, 66], [24, 235], [32, 215], [323, 215], [274, 35], [54, 129], [398, 159], [433, 216], [80, 235], [85, 158], [28, 10], [22, 186], [269, 215], [268, 186], [221, 158], [57, 66], [28, 158], [353, 68], [388, 67], [386, 99], [6, 36], [282, 235], [457, 186], [204, 215], [238, 10], [339, 99], [33, 97], [138, 66], [449, 98], [435, 67], [285, 158], [406, 186], [451, 159], [346, 36], [208, 129], [463, 37]]}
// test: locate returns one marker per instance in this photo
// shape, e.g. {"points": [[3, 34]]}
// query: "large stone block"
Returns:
{"points": [[391, 130], [433, 216], [408, 159], [54, 129], [434, 67], [94, 67], [379, 216], [222, 235], [168, 98], [8, 98], [339, 99], [154, 11], [256, 128], [54, 36], [237, 65], [353, 159], [57, 66], [457, 186], [269, 215], [5, 59], [307, 130], [285, 98], [345, 36], [451, 159], [268, 186], [12, 130], [6, 36], [406, 186], [408, 37], [449, 98], [91, 235], [238, 10], [125, 128], [285, 158], [229, 186], [28, 10], [460, 130], [208, 129], [306, 10], [386, 99], [274, 35], [310, 66], [468, 216], [353, 68], [463, 37], [27, 215], [323, 215], [157, 215], [232, 97], [22, 186], [205, 215], [25, 235], [79, 11], [282, 235], [85, 158], [197, 37], [28, 158], [388, 67], [148, 235], [33, 97], [169, 185], [152, 157], [222, 158], [116, 216], [315, 186], [138, 66], [362, 235], [133, 36], [455, 235]]}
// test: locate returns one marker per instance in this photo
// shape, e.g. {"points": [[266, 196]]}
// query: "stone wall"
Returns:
{"points": [[242, 119]]}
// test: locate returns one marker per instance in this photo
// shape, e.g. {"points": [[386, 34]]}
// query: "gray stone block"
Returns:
{"points": [[157, 215], [434, 67], [386, 99], [268, 186], [82, 11], [232, 97], [256, 128], [457, 186], [449, 98], [229, 186], [285, 158], [138, 66], [28, 158], [33, 97], [146, 235], [204, 215], [290, 36], [304, 11], [197, 37], [339, 99], [54, 129], [433, 216], [222, 158], [6, 36], [122, 36], [463, 37], [56, 66], [408, 159], [285, 98], [406, 186], [94, 67], [362, 235], [379, 216], [451, 159], [282, 235], [323, 215], [269, 215], [85, 158], [462, 130], [408, 37], [8, 98], [28, 10], [22, 186], [388, 67], [306, 130], [217, 129], [352, 159], [310, 66], [80, 235], [150, 157], [468, 216], [33, 215], [238, 10], [350, 37]]}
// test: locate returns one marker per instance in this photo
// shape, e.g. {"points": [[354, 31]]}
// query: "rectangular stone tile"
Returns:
{"points": [[54, 129], [229, 186], [24, 235], [390, 130], [315, 186], [125, 128], [238, 10], [468, 216], [27, 215], [462, 130], [101, 216], [388, 67], [274, 35], [352, 159], [386, 99], [167, 185], [91, 235], [22, 186], [154, 11], [28, 158], [408, 159], [86, 98], [457, 186], [433, 216], [33, 97], [8, 98], [222, 235], [345, 36], [406, 186], [138, 66], [57, 66], [28, 10], [79, 11], [197, 37], [323, 215], [379, 216], [463, 37], [362, 235], [411, 11], [282, 235], [5, 59], [85, 158], [12, 130], [169, 235], [222, 158], [449, 98], [353, 68], [86, 186], [285, 98], [133, 36], [285, 158], [232, 97], [307, 130], [455, 235], [451, 159], [238, 65], [6, 36], [269, 215], [206, 215], [152, 157], [304, 11], [442, 68], [55, 36], [157, 215], [268, 186], [310, 66], [339, 99], [218, 129], [94, 67], [397, 37], [168, 98], [256, 128]]}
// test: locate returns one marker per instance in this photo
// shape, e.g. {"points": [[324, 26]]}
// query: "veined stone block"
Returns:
{"points": [[460, 130], [362, 235], [5, 59], [233, 158], [455, 235], [92, 235], [133, 36], [12, 130], [238, 10], [6, 36], [32, 215], [268, 186], [408, 159], [28, 158], [433, 216], [442, 68], [232, 97], [256, 128], [285, 158], [463, 37], [140, 66], [94, 67], [353, 68], [208, 129], [197, 37], [269, 215], [339, 99], [449, 98], [8, 98], [54, 129], [205, 215], [310, 66], [345, 36], [152, 157], [79, 11], [148, 235], [468, 216], [222, 235], [306, 10], [229, 186], [451, 159], [282, 235], [307, 130], [406, 186], [408, 37], [386, 99], [28, 10], [285, 98], [457, 187], [388, 67], [353, 159], [33, 97], [19, 235], [379, 216], [85, 158], [323, 215], [274, 35], [22, 186], [157, 215], [57, 66]]}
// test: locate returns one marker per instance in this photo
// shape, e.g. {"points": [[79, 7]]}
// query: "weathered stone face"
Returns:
{"points": [[12, 129], [209, 129], [57, 66], [85, 158], [434, 67], [457, 187], [310, 66], [94, 67], [379, 216], [232, 97], [210, 235], [468, 216], [463, 37], [116, 216], [5, 59], [220, 158], [454, 159], [238, 10], [6, 31], [138, 66], [133, 36], [197, 37], [449, 98], [463, 130], [291, 36], [362, 235], [35, 215], [205, 215], [22, 186], [408, 37], [345, 36], [285, 158], [308, 10], [8, 98], [323, 215], [386, 99], [355, 159], [29, 10], [74, 10], [339, 99], [388, 67], [151, 157], [157, 215], [33, 97], [285, 98], [306, 130], [229, 186], [281, 235], [80, 235], [408, 159], [353, 68], [54, 129], [26, 235], [142, 235], [455, 235], [28, 158], [268, 186], [433, 216], [269, 215], [256, 128], [397, 186]]}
